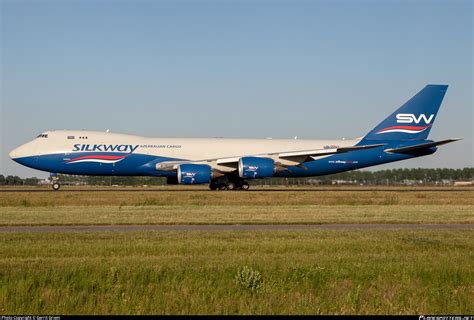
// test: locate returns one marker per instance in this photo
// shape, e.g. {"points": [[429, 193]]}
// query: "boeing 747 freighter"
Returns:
{"points": [[231, 163]]}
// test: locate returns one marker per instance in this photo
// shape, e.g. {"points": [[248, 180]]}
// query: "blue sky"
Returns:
{"points": [[312, 69]]}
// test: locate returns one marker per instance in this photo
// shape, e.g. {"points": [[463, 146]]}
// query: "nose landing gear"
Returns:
{"points": [[54, 182]]}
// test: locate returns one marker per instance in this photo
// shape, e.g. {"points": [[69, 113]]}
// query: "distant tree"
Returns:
{"points": [[31, 181], [13, 180], [467, 174], [2, 180]]}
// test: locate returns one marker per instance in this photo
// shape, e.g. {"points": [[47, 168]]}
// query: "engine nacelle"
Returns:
{"points": [[194, 173], [254, 167]]}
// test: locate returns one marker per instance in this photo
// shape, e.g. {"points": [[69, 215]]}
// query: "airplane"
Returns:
{"points": [[229, 164]]}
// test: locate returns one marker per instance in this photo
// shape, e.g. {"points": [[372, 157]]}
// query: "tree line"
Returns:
{"points": [[16, 181], [390, 176], [418, 175]]}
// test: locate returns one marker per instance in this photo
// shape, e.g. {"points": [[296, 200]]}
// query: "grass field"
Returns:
{"points": [[414, 272], [401, 271], [258, 207]]}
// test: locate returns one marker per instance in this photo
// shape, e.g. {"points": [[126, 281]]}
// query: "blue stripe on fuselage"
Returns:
{"points": [[132, 165]]}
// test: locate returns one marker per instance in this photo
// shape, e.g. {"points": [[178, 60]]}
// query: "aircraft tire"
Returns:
{"points": [[245, 186], [56, 186]]}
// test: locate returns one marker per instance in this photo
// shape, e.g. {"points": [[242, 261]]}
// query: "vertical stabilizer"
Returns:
{"points": [[413, 120]]}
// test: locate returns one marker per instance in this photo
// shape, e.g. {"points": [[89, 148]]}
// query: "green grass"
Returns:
{"points": [[201, 207], [292, 196], [235, 214], [305, 272]]}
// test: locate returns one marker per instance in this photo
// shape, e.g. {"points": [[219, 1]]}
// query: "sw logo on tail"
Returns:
{"points": [[410, 118]]}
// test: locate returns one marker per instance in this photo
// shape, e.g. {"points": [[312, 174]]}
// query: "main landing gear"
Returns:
{"points": [[229, 185]]}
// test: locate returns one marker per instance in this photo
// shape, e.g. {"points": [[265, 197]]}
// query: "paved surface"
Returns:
{"points": [[216, 228], [362, 189]]}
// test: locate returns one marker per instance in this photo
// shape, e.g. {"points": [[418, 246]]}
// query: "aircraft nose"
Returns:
{"points": [[17, 153], [14, 154]]}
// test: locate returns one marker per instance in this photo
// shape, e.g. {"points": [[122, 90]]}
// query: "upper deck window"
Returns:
{"points": [[70, 137], [43, 135]]}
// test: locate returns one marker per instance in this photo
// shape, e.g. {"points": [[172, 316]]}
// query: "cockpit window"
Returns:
{"points": [[43, 135]]}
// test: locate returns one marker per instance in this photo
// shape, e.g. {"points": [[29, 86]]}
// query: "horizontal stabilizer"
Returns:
{"points": [[421, 146]]}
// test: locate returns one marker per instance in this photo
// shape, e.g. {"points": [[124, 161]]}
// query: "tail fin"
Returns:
{"points": [[414, 119]]}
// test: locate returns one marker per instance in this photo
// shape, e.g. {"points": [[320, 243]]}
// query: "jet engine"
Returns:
{"points": [[194, 173], [254, 167]]}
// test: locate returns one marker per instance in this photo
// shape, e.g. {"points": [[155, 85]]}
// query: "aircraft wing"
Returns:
{"points": [[298, 157], [325, 152]]}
